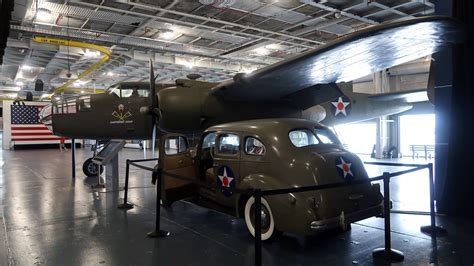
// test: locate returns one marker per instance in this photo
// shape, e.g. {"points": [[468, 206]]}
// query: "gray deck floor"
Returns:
{"points": [[48, 218]]}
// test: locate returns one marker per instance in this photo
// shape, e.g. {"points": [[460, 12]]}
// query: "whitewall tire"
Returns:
{"points": [[268, 223]]}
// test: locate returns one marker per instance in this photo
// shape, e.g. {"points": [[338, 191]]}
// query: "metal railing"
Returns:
{"points": [[386, 253]]}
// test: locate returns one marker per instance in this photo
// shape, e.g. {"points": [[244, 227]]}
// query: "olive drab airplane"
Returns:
{"points": [[307, 85]]}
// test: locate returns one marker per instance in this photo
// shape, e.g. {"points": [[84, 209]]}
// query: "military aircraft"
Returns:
{"points": [[289, 88]]}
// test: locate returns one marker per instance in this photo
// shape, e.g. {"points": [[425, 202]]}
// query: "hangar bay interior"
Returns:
{"points": [[134, 131]]}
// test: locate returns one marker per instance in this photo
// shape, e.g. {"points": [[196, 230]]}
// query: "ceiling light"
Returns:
{"points": [[19, 83], [26, 67], [45, 95], [273, 46], [43, 14], [57, 98], [262, 51], [82, 91], [110, 74], [92, 54], [189, 64], [167, 34]]}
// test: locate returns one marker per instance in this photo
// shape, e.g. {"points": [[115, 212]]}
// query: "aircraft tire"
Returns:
{"points": [[269, 232], [90, 168]]}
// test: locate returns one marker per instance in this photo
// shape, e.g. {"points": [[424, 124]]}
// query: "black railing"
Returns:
{"points": [[386, 253]]}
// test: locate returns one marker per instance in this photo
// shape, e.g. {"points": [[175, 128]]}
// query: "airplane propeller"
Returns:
{"points": [[431, 83], [154, 108]]}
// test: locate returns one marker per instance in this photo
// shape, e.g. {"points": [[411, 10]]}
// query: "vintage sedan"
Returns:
{"points": [[273, 154]]}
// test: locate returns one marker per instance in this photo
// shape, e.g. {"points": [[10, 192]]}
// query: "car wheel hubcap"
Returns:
{"points": [[265, 218]]}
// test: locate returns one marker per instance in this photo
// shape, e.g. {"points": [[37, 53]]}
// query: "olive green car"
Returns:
{"points": [[273, 154]]}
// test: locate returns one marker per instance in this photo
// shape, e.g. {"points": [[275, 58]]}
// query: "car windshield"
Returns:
{"points": [[302, 137], [326, 136]]}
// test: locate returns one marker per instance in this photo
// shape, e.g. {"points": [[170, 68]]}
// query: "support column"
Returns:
{"points": [[382, 142]]}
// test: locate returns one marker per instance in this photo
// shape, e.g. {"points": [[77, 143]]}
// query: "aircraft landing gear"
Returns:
{"points": [[91, 169]]}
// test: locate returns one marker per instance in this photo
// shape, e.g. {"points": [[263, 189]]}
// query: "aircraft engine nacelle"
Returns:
{"points": [[180, 108], [316, 113]]}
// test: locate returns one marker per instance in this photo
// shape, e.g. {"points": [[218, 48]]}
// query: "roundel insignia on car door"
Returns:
{"points": [[341, 107], [345, 168], [225, 178]]}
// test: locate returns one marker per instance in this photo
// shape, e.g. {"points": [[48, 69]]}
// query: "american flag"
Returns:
{"points": [[26, 125]]}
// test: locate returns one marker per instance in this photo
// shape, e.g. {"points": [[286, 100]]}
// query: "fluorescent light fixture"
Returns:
{"points": [[91, 54], [273, 46], [80, 82], [26, 67], [83, 92], [189, 64], [19, 83], [262, 51], [43, 14], [110, 73], [45, 95], [9, 88]]}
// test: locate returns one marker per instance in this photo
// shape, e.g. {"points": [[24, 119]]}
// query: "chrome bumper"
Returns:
{"points": [[344, 219]]}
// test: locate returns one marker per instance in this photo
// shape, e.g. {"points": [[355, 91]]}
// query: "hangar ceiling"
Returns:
{"points": [[215, 38]]}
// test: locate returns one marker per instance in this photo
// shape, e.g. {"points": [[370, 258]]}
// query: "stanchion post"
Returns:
{"points": [[432, 229], [125, 205], [387, 253], [158, 233], [258, 226], [73, 151]]}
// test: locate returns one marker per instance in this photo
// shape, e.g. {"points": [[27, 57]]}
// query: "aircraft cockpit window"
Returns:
{"points": [[114, 90], [175, 145], [134, 91], [69, 106], [228, 144], [84, 103], [326, 136], [302, 137], [254, 146]]}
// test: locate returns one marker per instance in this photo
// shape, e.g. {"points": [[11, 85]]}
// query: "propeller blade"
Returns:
{"points": [[152, 86], [431, 83], [153, 141]]}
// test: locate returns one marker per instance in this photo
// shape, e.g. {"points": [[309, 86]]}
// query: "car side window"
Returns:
{"points": [[209, 141], [228, 144], [254, 146], [175, 145]]}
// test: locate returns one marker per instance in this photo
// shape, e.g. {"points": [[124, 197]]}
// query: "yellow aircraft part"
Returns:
{"points": [[91, 90], [106, 52]]}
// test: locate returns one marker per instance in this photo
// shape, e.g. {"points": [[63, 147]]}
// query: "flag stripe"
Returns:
{"points": [[29, 128], [29, 139], [32, 134]]}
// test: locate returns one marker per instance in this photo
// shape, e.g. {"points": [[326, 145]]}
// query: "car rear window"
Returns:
{"points": [[302, 137], [326, 136]]}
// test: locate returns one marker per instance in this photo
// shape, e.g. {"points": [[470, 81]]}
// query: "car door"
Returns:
{"points": [[227, 154], [176, 159]]}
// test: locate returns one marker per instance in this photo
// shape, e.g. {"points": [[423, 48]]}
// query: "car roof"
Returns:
{"points": [[263, 126]]}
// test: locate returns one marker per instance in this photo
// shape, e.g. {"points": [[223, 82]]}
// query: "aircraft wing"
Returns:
{"points": [[407, 96], [345, 59]]}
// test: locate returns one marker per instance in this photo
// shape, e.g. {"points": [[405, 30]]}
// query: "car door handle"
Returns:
{"points": [[180, 161]]}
